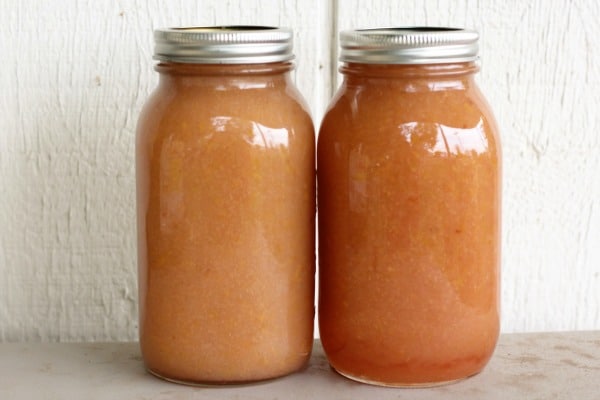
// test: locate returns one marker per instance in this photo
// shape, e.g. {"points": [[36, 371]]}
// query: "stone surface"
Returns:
{"points": [[533, 366]]}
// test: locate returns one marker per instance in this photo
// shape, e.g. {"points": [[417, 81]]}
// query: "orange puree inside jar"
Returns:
{"points": [[409, 225], [225, 172]]}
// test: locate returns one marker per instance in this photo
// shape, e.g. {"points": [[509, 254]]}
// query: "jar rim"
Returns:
{"points": [[409, 45], [234, 44]]}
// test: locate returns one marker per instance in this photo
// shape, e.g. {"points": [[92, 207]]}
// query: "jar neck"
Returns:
{"points": [[410, 70], [241, 75], [451, 75], [174, 68]]}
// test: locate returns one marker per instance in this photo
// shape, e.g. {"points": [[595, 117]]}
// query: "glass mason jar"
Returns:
{"points": [[408, 168], [225, 163]]}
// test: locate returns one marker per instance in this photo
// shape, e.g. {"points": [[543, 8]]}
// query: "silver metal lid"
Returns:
{"points": [[223, 45], [416, 45]]}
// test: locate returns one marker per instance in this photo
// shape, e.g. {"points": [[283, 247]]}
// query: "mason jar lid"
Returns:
{"points": [[414, 45], [223, 45]]}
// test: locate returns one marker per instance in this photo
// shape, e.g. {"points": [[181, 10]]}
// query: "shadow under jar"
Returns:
{"points": [[225, 163], [409, 178]]}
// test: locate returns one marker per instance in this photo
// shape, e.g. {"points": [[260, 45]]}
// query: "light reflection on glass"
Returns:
{"points": [[269, 137], [446, 85], [241, 84], [449, 140], [220, 123], [256, 133]]}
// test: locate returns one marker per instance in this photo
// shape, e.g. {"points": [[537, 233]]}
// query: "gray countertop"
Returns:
{"points": [[528, 366]]}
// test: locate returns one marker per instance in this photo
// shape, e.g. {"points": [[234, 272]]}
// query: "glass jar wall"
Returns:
{"points": [[409, 198], [226, 205]]}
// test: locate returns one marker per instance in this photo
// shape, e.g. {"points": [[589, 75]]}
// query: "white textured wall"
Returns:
{"points": [[75, 73]]}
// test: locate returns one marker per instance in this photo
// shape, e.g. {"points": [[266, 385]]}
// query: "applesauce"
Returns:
{"points": [[408, 166], [226, 206]]}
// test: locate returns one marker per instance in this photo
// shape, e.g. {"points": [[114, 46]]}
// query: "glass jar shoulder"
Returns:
{"points": [[379, 113], [192, 114]]}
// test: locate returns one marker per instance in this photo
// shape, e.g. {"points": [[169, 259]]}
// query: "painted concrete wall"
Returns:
{"points": [[75, 73]]}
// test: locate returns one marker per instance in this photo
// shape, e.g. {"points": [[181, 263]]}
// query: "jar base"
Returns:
{"points": [[183, 382], [405, 385], [201, 383]]}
